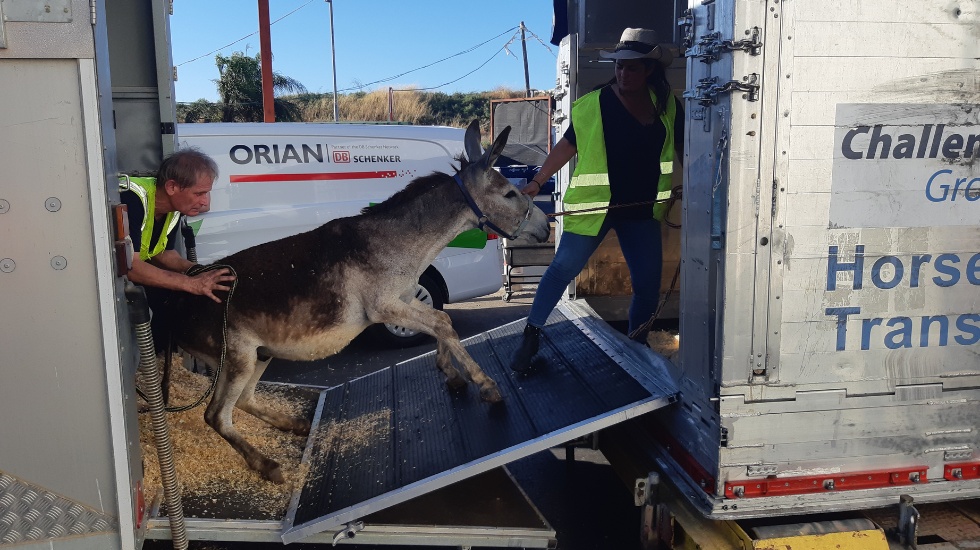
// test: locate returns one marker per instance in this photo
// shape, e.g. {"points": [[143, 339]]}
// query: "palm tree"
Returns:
{"points": [[240, 88]]}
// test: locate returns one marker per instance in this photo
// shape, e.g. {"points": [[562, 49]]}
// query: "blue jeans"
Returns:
{"points": [[642, 249]]}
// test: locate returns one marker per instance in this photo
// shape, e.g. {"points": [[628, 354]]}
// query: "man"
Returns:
{"points": [[182, 187]]}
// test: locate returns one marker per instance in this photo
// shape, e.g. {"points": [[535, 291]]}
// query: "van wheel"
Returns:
{"points": [[428, 291]]}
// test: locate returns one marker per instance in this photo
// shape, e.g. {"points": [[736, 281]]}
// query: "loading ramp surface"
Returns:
{"points": [[586, 377]]}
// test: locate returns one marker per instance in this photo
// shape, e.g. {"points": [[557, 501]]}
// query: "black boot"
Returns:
{"points": [[529, 346]]}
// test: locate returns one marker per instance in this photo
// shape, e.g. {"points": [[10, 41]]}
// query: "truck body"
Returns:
{"points": [[828, 320]]}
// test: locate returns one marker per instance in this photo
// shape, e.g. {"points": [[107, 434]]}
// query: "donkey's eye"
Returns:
{"points": [[510, 194]]}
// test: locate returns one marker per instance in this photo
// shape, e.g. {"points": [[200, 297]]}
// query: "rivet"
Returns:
{"points": [[59, 262], [4, 206], [52, 204], [7, 265]]}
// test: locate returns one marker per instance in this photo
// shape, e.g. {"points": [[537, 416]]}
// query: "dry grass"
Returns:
{"points": [[409, 106]]}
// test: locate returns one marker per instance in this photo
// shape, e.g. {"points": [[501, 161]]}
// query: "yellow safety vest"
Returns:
{"points": [[589, 187], [146, 190]]}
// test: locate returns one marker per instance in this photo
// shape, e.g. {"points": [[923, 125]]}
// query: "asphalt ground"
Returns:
{"points": [[589, 507]]}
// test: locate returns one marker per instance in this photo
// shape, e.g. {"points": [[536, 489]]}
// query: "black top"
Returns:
{"points": [[134, 206], [633, 154]]}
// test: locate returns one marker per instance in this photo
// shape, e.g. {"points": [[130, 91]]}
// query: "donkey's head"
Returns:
{"points": [[498, 205]]}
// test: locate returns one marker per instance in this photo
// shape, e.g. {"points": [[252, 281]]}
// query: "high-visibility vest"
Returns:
{"points": [[589, 187], [146, 190]]}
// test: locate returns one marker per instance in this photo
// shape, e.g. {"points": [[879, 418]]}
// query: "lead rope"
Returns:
{"points": [[197, 269], [676, 194]]}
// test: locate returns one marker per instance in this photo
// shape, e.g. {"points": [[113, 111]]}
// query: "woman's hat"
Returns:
{"points": [[639, 44]]}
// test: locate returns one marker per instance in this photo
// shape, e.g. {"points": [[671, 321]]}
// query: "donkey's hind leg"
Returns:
{"points": [[437, 324], [248, 403], [234, 378], [444, 360]]}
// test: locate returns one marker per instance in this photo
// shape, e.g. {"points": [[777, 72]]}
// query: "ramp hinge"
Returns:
{"points": [[348, 532], [644, 487], [92, 10]]}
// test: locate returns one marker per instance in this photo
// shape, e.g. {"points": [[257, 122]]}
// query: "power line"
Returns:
{"points": [[244, 37], [468, 50], [495, 54]]}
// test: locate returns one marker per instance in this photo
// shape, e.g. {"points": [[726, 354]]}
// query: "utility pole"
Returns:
{"points": [[265, 40], [527, 79], [333, 64]]}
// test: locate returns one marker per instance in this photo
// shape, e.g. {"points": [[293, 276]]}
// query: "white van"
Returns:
{"points": [[284, 178]]}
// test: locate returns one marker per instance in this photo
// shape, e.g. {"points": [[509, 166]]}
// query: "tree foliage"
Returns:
{"points": [[239, 85]]}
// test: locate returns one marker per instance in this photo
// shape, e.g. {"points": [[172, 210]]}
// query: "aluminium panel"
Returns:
{"points": [[586, 377]]}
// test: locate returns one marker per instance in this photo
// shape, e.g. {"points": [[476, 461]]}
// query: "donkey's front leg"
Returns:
{"points": [[437, 324], [234, 377]]}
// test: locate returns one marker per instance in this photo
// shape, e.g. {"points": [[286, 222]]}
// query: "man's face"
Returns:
{"points": [[192, 200]]}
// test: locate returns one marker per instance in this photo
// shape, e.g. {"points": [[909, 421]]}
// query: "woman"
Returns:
{"points": [[625, 135]]}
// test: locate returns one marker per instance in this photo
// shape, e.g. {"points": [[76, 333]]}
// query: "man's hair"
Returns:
{"points": [[185, 166]]}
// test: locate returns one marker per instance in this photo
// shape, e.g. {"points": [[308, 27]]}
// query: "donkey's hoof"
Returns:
{"points": [[490, 394], [273, 472], [456, 383], [302, 427]]}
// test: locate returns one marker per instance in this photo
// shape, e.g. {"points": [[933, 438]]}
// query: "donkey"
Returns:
{"points": [[307, 296]]}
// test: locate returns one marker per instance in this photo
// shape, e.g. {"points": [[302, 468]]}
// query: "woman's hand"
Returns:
{"points": [[532, 188]]}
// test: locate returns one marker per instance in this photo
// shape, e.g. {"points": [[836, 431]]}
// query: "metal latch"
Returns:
{"points": [[711, 46], [708, 89]]}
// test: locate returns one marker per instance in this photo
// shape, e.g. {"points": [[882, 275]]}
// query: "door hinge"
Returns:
{"points": [[775, 197], [92, 11], [686, 24]]}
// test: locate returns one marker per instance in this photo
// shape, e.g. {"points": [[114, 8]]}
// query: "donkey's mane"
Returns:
{"points": [[416, 188]]}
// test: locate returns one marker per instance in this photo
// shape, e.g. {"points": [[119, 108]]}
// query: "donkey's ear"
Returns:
{"points": [[497, 147], [471, 142]]}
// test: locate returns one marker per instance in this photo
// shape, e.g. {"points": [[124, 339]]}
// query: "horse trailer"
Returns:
{"points": [[827, 268], [829, 248]]}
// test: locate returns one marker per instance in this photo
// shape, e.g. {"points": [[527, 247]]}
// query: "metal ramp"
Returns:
{"points": [[399, 433]]}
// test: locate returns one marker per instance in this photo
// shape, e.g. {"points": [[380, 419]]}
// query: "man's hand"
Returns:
{"points": [[205, 284]]}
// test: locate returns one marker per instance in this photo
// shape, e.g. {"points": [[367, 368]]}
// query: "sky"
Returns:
{"points": [[374, 39]]}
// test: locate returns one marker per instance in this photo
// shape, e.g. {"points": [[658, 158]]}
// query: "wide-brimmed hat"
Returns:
{"points": [[639, 44]]}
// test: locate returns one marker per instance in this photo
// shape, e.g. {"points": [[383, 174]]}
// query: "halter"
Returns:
{"points": [[484, 220]]}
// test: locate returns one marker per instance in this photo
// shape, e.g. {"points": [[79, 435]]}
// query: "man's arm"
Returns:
{"points": [[166, 270], [171, 261]]}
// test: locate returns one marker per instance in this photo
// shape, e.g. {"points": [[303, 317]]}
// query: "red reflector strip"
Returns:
{"points": [[961, 470], [874, 479], [492, 236], [319, 176]]}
